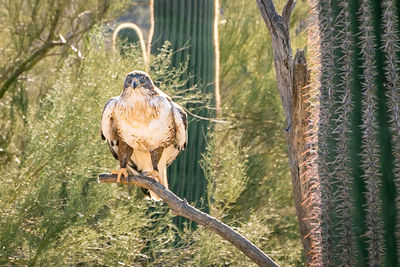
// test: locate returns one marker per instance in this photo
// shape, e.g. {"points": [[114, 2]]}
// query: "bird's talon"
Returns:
{"points": [[122, 171], [154, 175]]}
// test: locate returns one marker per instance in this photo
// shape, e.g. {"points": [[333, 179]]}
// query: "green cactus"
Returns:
{"points": [[359, 132], [188, 24], [128, 36]]}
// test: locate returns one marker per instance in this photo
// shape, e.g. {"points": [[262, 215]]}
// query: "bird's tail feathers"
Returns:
{"points": [[153, 196]]}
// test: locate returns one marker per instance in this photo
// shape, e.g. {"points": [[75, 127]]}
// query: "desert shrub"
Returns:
{"points": [[52, 208]]}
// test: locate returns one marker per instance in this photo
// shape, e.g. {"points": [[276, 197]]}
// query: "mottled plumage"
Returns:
{"points": [[145, 130]]}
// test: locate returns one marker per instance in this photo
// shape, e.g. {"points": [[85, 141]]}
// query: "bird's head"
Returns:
{"points": [[138, 80]]}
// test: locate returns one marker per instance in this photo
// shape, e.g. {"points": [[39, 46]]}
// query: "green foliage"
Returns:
{"points": [[359, 132], [225, 164], [36, 37], [251, 101], [250, 97], [52, 209]]}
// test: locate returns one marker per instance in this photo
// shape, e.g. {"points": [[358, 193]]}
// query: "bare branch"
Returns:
{"points": [[271, 16], [47, 34], [55, 22], [292, 77], [287, 10], [282, 50], [269, 13], [27, 64], [182, 208]]}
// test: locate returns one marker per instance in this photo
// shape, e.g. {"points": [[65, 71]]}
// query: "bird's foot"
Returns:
{"points": [[156, 177], [153, 174], [119, 173]]}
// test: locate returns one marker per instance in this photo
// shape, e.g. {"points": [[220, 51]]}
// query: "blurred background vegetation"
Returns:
{"points": [[52, 209]]}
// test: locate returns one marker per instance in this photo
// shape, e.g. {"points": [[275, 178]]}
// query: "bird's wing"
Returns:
{"points": [[181, 125], [180, 118], [161, 93], [110, 134], [108, 126]]}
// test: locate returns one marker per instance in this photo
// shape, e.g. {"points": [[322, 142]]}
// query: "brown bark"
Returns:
{"points": [[182, 208], [292, 78]]}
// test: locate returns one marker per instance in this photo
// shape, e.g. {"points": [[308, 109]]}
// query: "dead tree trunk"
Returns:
{"points": [[293, 78], [182, 208]]}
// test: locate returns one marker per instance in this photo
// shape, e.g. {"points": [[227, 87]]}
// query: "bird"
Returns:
{"points": [[145, 130]]}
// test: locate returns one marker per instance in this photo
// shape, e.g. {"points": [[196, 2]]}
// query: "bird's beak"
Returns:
{"points": [[135, 83]]}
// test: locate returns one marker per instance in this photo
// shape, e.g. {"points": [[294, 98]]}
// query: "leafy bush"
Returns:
{"points": [[54, 211], [51, 207]]}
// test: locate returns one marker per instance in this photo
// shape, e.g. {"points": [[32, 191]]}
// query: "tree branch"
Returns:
{"points": [[84, 23], [279, 30], [27, 64], [182, 208], [293, 78], [287, 10], [269, 13]]}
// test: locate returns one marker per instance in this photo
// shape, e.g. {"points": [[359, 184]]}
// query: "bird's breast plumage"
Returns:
{"points": [[145, 123]]}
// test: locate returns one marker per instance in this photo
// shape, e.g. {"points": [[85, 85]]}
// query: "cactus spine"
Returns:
{"points": [[392, 66], [359, 132], [326, 103], [189, 23]]}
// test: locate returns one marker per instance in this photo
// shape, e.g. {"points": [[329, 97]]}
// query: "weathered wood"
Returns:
{"points": [[182, 208], [283, 62], [292, 76], [297, 146]]}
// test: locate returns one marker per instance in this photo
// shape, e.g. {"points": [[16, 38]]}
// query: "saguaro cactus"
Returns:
{"points": [[359, 132], [189, 23]]}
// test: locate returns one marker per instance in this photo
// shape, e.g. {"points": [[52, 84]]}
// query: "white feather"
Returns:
{"points": [[140, 133]]}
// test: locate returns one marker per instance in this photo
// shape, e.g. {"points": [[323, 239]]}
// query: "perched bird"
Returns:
{"points": [[145, 130]]}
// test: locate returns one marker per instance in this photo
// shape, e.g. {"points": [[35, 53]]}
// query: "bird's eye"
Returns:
{"points": [[142, 79]]}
